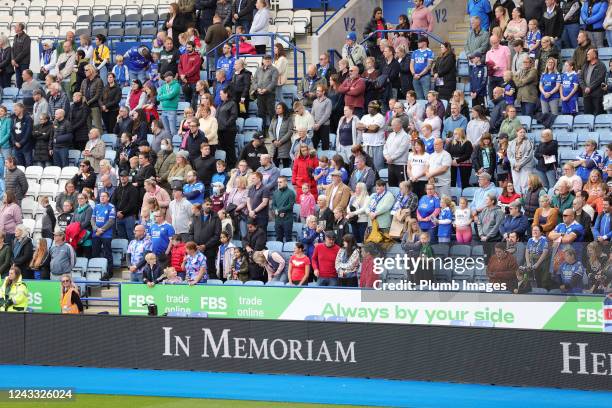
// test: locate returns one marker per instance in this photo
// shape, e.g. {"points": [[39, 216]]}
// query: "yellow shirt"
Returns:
{"points": [[103, 52]]}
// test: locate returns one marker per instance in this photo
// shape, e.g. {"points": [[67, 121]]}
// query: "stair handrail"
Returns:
{"points": [[326, 19], [236, 40], [419, 32]]}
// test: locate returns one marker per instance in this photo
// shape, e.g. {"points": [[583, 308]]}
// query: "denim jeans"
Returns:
{"points": [[569, 38], [103, 73], [548, 178], [422, 86], [136, 277], [168, 118], [609, 37], [60, 156], [528, 108], [139, 75], [24, 157], [327, 282], [125, 227]]}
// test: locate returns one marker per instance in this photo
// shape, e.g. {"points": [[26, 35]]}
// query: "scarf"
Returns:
{"points": [[376, 199]]}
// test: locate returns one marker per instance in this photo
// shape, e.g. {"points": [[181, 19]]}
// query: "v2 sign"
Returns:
{"points": [[349, 24]]}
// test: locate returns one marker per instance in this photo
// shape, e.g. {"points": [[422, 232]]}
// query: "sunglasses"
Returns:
{"points": [[65, 280]]}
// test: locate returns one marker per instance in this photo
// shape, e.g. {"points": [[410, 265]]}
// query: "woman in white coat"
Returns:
{"points": [[260, 26]]}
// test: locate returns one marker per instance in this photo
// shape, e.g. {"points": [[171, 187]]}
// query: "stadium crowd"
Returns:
{"points": [[383, 147]]}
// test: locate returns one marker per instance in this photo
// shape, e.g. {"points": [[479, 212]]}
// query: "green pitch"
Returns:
{"points": [[111, 401]]}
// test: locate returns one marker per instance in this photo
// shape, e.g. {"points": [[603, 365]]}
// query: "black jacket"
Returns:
{"points": [[79, 112], [21, 49], [598, 77], [240, 85], [256, 240], [252, 154], [42, 134], [206, 232], [62, 135], [6, 255], [21, 132], [80, 183], [152, 274], [533, 9], [391, 70], [205, 167], [141, 132], [193, 145], [497, 114], [126, 199], [370, 28], [111, 96], [546, 149], [168, 61], [227, 114], [446, 68], [123, 126], [144, 173], [477, 160], [24, 256], [6, 67], [246, 11], [179, 25], [553, 26], [206, 11]]}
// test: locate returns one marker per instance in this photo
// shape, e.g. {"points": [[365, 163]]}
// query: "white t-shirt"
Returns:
{"points": [[437, 160], [418, 164], [463, 217], [374, 139]]}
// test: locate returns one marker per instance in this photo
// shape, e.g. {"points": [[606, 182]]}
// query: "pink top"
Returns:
{"points": [[501, 58], [10, 217], [422, 19], [162, 196], [307, 205], [516, 30]]}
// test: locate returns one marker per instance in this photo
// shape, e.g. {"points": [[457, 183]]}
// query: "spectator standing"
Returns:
{"points": [[161, 232], [546, 154], [587, 161], [264, 87], [460, 150], [477, 126], [517, 26], [324, 261], [422, 17], [95, 149], [502, 267], [480, 9], [258, 200], [125, 200], [21, 135], [109, 103], [380, 206], [511, 124], [592, 15], [498, 61], [396, 151], [10, 215], [353, 52], [420, 67], [348, 262], [175, 24], [103, 222], [280, 132], [206, 9], [545, 216], [520, 155], [227, 114], [168, 96], [283, 200], [373, 134], [592, 76], [179, 213], [20, 53], [15, 179], [321, 112], [527, 87], [445, 72], [139, 246], [6, 67], [78, 119], [189, 71], [354, 88], [260, 26], [42, 135], [91, 89], [550, 85], [571, 26], [62, 255], [477, 39], [242, 13]]}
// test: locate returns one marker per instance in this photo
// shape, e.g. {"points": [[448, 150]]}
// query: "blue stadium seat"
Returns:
{"points": [[287, 172], [605, 136], [440, 250], [384, 174], [289, 247], [252, 111], [394, 190], [177, 314], [119, 248], [276, 246], [201, 315], [563, 122], [483, 323], [275, 283], [539, 291], [468, 192], [254, 283], [73, 157], [584, 122], [80, 266], [581, 138], [220, 155], [253, 124], [566, 139], [337, 319], [214, 282], [603, 121], [109, 139], [110, 155], [525, 121], [478, 250], [459, 323], [233, 282], [289, 94], [96, 268], [460, 251], [177, 140], [10, 94], [240, 124]]}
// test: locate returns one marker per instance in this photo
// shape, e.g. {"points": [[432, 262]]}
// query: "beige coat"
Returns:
{"points": [[527, 85]]}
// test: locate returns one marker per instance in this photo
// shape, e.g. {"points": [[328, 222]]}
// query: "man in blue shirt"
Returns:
{"points": [[482, 9], [485, 188], [454, 121], [602, 231], [102, 223], [161, 232], [420, 66], [221, 82], [193, 190], [569, 231]]}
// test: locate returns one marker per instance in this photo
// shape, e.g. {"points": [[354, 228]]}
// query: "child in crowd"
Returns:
{"points": [[48, 220], [183, 40], [122, 76], [133, 168], [194, 36], [217, 197], [151, 272], [522, 284], [569, 89], [146, 215], [171, 276], [307, 203], [157, 45], [597, 200], [221, 175], [534, 36], [227, 226], [188, 114], [463, 222], [311, 235], [445, 219], [571, 272], [240, 265], [321, 174], [509, 88], [177, 254], [428, 138], [478, 79], [153, 71]]}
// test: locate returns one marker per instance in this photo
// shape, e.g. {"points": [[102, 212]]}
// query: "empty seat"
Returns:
{"points": [[233, 282], [51, 173], [254, 283], [214, 282], [118, 248], [96, 268], [584, 122], [48, 189], [34, 172], [563, 122], [33, 190]]}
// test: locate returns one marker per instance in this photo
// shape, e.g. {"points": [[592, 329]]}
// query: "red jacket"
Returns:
{"points": [[189, 65], [301, 174], [244, 48], [368, 277], [324, 259], [177, 254], [354, 92]]}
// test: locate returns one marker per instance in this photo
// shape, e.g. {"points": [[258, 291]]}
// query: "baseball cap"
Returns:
{"points": [[352, 36]]}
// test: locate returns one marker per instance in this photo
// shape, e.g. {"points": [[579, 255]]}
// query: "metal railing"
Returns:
{"points": [[213, 54], [327, 20]]}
